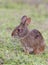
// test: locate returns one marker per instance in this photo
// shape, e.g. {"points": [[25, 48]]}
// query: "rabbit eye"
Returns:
{"points": [[18, 30], [23, 24]]}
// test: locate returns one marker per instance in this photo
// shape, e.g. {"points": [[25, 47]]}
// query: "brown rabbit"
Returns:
{"points": [[32, 41]]}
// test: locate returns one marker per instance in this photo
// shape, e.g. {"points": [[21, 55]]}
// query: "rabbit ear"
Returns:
{"points": [[28, 21], [23, 19]]}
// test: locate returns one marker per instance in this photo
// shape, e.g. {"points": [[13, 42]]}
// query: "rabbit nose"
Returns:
{"points": [[12, 34]]}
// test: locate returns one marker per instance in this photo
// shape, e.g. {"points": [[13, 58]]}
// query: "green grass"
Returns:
{"points": [[10, 49]]}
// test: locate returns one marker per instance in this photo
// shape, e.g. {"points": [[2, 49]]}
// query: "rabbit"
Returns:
{"points": [[31, 41]]}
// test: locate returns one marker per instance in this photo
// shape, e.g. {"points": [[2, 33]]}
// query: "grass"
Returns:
{"points": [[10, 49]]}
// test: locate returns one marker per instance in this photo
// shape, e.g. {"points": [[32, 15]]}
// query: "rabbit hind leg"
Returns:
{"points": [[39, 51]]}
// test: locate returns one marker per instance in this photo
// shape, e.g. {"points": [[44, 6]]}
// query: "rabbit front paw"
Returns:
{"points": [[25, 50], [28, 50]]}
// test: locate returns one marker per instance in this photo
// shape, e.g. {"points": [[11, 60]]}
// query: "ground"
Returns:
{"points": [[10, 49]]}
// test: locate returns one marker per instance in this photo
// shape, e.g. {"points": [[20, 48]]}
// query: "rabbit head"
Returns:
{"points": [[21, 30]]}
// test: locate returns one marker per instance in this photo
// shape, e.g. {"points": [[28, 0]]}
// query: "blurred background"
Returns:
{"points": [[11, 12]]}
